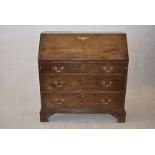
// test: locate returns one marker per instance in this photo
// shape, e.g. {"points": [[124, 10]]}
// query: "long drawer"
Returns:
{"points": [[51, 83], [81, 100], [62, 68]]}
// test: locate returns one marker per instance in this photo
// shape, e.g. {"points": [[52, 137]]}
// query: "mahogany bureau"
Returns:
{"points": [[83, 73]]}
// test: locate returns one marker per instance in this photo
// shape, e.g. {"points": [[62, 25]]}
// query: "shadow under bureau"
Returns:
{"points": [[83, 73]]}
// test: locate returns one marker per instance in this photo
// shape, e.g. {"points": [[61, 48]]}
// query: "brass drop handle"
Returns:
{"points": [[59, 84], [107, 83], [107, 69], [58, 70], [59, 101], [106, 102], [83, 38]]}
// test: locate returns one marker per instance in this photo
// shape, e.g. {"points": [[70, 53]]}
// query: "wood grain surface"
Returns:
{"points": [[96, 47], [83, 73]]}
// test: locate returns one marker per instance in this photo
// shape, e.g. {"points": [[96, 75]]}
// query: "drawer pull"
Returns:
{"points": [[107, 69], [59, 101], [106, 102], [58, 70], [107, 83], [83, 38], [59, 84]]}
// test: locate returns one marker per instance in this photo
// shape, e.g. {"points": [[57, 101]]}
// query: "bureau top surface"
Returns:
{"points": [[83, 46]]}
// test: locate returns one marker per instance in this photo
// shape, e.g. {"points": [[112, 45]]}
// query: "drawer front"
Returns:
{"points": [[106, 68], [51, 83], [83, 100], [60, 68]]}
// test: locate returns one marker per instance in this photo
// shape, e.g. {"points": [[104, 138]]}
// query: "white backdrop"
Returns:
{"points": [[19, 73]]}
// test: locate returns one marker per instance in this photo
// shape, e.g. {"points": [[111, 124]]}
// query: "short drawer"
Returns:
{"points": [[82, 100], [106, 68], [88, 68], [50, 83], [60, 68]]}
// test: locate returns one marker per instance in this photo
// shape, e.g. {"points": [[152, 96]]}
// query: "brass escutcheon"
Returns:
{"points": [[83, 38]]}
